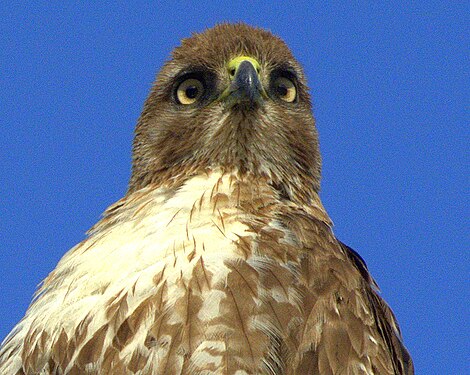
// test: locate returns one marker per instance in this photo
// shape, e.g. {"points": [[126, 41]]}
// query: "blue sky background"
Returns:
{"points": [[391, 99]]}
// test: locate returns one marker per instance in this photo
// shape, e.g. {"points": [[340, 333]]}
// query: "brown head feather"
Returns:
{"points": [[275, 138]]}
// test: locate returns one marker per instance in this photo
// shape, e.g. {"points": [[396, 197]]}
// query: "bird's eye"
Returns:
{"points": [[285, 89], [189, 91]]}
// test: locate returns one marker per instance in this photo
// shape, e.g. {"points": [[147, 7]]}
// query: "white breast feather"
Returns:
{"points": [[127, 256]]}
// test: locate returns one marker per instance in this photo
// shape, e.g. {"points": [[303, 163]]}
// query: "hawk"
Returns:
{"points": [[220, 258]]}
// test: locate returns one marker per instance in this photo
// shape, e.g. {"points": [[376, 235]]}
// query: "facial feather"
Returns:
{"points": [[274, 138]]}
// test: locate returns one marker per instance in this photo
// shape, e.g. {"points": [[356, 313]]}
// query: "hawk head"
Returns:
{"points": [[232, 97]]}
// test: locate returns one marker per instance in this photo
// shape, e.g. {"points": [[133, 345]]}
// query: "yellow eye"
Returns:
{"points": [[189, 91], [285, 89]]}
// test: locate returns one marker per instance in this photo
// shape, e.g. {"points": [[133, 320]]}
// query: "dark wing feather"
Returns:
{"points": [[360, 264], [385, 320]]}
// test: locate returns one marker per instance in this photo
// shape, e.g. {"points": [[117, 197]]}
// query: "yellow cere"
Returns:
{"points": [[235, 63]]}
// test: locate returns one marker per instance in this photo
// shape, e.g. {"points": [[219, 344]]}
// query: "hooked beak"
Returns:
{"points": [[245, 86]]}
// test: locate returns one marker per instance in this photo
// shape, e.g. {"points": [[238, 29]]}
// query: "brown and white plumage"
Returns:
{"points": [[220, 258]]}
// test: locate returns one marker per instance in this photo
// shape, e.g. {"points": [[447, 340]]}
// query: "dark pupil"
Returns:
{"points": [[282, 90], [191, 92]]}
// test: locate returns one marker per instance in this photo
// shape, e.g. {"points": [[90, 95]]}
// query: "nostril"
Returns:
{"points": [[232, 72]]}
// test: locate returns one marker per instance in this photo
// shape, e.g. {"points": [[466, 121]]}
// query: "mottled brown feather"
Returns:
{"points": [[243, 274]]}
